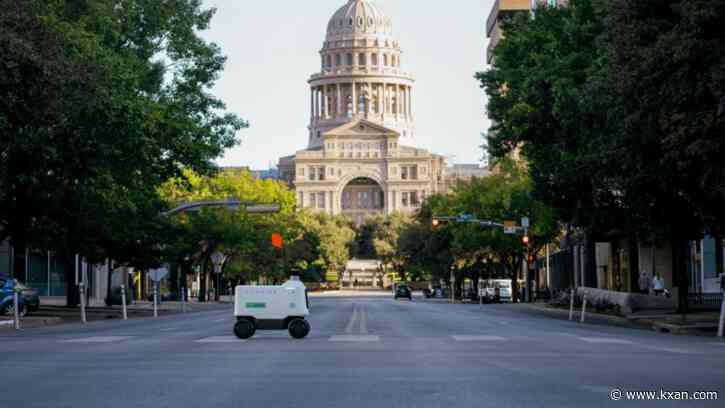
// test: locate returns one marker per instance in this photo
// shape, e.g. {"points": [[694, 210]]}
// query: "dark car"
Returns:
{"points": [[7, 305], [31, 298], [403, 291]]}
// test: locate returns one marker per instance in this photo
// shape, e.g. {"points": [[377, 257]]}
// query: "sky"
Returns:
{"points": [[273, 47]]}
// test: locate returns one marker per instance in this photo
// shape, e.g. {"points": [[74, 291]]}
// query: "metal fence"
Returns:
{"points": [[705, 299]]}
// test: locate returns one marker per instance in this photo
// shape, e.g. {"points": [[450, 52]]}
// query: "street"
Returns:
{"points": [[362, 352]]}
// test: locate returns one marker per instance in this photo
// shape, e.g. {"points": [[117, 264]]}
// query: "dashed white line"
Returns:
{"points": [[353, 319], [354, 338], [604, 340], [220, 339], [468, 337], [97, 339]]}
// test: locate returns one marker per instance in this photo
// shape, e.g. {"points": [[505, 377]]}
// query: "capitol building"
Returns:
{"points": [[361, 157]]}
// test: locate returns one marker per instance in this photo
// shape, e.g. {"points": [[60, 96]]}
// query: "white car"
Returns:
{"points": [[272, 308]]}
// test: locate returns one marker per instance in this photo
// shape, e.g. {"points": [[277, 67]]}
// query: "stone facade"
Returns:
{"points": [[360, 159]]}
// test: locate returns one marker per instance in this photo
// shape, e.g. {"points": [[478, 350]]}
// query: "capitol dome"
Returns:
{"points": [[358, 18]]}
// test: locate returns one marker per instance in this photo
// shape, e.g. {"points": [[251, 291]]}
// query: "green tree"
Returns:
{"points": [[101, 99]]}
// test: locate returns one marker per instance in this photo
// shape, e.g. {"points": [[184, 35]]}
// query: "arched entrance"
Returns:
{"points": [[361, 198]]}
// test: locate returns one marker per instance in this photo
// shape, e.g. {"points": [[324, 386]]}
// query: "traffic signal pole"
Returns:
{"points": [[509, 228]]}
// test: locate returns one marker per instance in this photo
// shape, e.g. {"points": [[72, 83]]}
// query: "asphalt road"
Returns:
{"points": [[362, 352]]}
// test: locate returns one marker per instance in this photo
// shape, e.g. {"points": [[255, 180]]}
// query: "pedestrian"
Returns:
{"points": [[659, 285]]}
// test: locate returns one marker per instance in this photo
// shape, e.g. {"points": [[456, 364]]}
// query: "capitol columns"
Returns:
{"points": [[382, 99], [312, 103], [354, 99], [339, 101]]}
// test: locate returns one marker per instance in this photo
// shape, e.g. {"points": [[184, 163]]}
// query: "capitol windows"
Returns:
{"points": [[348, 59], [409, 172], [338, 60], [374, 58], [329, 61], [385, 59], [362, 60], [321, 201]]}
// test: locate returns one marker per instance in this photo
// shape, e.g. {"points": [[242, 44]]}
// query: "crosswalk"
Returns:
{"points": [[586, 342]]}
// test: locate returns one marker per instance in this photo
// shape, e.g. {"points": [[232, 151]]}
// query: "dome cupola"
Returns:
{"points": [[359, 18]]}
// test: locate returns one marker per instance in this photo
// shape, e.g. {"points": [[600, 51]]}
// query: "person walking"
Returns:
{"points": [[659, 285]]}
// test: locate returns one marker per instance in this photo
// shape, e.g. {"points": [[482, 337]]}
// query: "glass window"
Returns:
{"points": [[349, 59], [362, 59], [321, 200], [404, 173], [321, 174], [414, 199], [405, 199], [338, 60], [374, 58]]}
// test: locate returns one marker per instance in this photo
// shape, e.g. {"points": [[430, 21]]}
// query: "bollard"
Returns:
{"points": [[83, 302], [571, 306], [584, 308], [16, 305], [721, 327], [123, 302], [156, 302]]}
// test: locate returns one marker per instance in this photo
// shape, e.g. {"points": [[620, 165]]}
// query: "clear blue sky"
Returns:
{"points": [[272, 48]]}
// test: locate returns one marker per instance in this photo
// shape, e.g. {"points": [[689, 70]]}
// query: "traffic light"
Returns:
{"points": [[439, 222]]}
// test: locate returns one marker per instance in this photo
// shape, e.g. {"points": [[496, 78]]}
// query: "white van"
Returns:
{"points": [[488, 288]]}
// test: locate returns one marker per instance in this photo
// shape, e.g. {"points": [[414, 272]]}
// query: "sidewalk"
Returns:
{"points": [[49, 315], [699, 323]]}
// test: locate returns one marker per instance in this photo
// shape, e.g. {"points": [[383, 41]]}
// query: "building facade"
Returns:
{"points": [[361, 159]]}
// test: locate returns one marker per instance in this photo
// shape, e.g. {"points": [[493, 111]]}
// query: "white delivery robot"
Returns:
{"points": [[272, 308]]}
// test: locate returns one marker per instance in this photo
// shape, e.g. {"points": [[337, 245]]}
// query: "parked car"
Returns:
{"points": [[7, 305], [403, 291]]}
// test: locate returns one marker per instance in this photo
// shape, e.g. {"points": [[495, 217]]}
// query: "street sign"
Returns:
{"points": [[509, 227], [525, 222], [157, 274]]}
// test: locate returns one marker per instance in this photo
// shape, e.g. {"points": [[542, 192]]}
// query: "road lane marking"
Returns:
{"points": [[220, 320], [364, 321], [353, 319], [668, 349], [596, 389], [220, 339], [168, 329], [468, 337], [354, 338], [604, 340], [718, 344], [97, 339]]}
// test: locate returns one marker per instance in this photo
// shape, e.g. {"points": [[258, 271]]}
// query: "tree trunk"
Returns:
{"points": [[202, 280], [142, 284], [109, 265], [72, 298], [590, 262], [19, 258], [679, 269]]}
